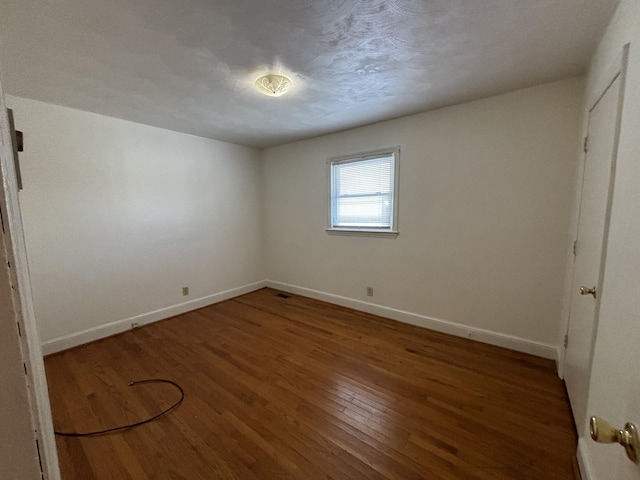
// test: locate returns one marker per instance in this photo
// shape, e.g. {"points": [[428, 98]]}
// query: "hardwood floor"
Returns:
{"points": [[280, 388]]}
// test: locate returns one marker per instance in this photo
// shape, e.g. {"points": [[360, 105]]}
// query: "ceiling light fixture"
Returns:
{"points": [[273, 85]]}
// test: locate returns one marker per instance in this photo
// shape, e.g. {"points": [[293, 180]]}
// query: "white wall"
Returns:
{"points": [[622, 28], [120, 216], [486, 191]]}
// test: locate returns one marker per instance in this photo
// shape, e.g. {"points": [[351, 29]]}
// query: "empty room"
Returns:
{"points": [[341, 239]]}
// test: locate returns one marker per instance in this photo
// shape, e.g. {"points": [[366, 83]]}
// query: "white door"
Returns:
{"points": [[18, 454], [614, 393], [25, 414], [592, 228]]}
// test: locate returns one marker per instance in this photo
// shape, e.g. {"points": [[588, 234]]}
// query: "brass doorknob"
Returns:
{"points": [[603, 432], [588, 291]]}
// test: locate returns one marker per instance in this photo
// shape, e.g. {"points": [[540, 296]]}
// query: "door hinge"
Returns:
{"points": [[566, 340], [17, 142], [575, 247], [586, 144], [39, 455]]}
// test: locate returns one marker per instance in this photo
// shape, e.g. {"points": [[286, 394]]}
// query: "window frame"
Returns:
{"points": [[358, 157]]}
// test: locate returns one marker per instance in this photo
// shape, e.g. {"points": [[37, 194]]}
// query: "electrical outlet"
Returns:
{"points": [[369, 291], [185, 291], [135, 324]]}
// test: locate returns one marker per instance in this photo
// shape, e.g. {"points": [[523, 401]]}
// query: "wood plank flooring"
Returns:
{"points": [[293, 388]]}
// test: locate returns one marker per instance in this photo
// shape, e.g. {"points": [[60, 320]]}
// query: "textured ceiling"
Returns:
{"points": [[189, 65]]}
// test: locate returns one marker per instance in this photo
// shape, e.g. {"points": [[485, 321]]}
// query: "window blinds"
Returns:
{"points": [[362, 193]]}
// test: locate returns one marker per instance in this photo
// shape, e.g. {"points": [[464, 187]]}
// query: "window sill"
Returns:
{"points": [[362, 233]]}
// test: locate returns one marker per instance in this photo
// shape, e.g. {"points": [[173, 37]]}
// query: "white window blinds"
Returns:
{"points": [[362, 193]]}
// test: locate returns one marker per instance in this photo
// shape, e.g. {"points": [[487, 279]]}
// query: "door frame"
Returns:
{"points": [[618, 70], [23, 301]]}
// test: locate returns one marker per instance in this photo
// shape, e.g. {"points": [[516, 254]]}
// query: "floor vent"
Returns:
{"points": [[282, 295]]}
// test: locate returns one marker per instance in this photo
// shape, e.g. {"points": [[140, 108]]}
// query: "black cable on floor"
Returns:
{"points": [[131, 425]]}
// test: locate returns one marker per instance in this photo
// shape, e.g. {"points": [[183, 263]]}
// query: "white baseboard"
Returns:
{"points": [[486, 336], [112, 328], [539, 349], [583, 460]]}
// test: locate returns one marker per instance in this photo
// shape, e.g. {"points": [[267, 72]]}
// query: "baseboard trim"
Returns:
{"points": [[91, 334], [583, 460], [486, 336]]}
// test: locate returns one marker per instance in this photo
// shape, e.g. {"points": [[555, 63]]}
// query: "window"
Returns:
{"points": [[363, 192]]}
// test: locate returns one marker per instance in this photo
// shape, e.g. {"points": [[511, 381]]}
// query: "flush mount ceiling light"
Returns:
{"points": [[273, 85]]}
